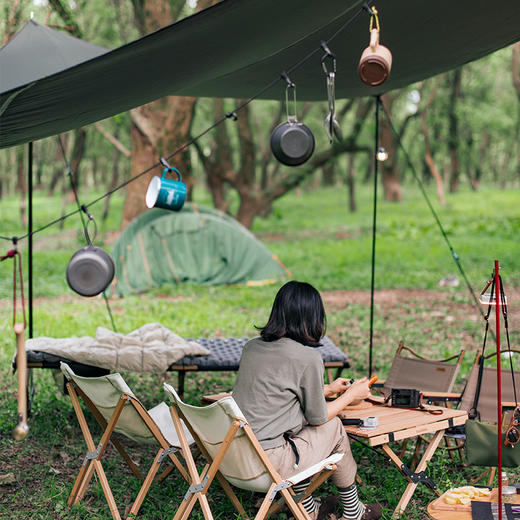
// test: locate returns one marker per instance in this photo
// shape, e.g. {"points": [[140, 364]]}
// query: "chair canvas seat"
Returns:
{"points": [[163, 418], [487, 399], [116, 409], [426, 375], [235, 456]]}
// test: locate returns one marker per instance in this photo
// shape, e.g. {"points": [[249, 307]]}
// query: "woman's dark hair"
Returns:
{"points": [[298, 314]]}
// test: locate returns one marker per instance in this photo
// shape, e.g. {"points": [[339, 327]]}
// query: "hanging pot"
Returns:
{"points": [[292, 142], [375, 62], [90, 271]]}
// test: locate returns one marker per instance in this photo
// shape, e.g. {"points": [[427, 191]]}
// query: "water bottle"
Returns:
{"points": [[504, 480]]}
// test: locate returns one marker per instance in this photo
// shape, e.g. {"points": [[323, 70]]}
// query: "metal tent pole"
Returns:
{"points": [[374, 221], [499, 390], [30, 252]]}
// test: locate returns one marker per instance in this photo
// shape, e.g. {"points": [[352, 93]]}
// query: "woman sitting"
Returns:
{"points": [[280, 390]]}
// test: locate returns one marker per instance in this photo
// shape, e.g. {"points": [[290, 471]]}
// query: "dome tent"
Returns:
{"points": [[198, 244]]}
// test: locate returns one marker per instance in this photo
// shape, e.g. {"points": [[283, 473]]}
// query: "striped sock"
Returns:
{"points": [[352, 507], [308, 504]]}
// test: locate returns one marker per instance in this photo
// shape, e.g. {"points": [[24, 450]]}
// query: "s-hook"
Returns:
{"points": [[331, 125]]}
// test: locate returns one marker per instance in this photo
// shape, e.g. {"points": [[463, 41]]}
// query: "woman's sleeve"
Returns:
{"points": [[312, 398]]}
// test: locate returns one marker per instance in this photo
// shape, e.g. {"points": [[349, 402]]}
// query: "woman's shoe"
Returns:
{"points": [[371, 512], [326, 506]]}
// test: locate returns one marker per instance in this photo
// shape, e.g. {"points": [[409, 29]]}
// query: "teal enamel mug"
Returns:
{"points": [[166, 193]]}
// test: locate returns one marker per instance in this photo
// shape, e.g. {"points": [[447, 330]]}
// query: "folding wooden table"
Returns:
{"points": [[396, 424]]}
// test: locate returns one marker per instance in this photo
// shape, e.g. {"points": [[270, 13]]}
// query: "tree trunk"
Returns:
{"points": [[160, 127], [14, 17], [428, 155], [351, 185], [390, 175], [22, 187], [516, 83], [516, 71], [78, 150], [483, 149], [113, 182], [453, 140], [157, 129], [329, 174]]}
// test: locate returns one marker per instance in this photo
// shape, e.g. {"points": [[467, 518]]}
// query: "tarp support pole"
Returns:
{"points": [[374, 221], [499, 388], [30, 245]]}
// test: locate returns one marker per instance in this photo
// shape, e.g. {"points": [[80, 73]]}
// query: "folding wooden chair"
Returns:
{"points": [[235, 457], [434, 378], [116, 409]]}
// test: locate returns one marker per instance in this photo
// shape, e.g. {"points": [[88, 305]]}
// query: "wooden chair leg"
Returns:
{"points": [[492, 473], [231, 495], [448, 445], [79, 482], [417, 452], [146, 484], [297, 509], [106, 490], [315, 483], [165, 473], [402, 450], [82, 487], [185, 508], [329, 375], [481, 476]]}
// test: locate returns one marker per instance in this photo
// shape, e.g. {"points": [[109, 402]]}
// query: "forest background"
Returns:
{"points": [[461, 131], [460, 127]]}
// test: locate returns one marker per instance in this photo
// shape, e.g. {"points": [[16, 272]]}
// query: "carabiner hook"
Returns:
{"points": [[164, 162], [329, 55]]}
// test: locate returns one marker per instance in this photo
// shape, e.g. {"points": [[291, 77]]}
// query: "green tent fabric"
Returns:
{"points": [[236, 48], [198, 244], [37, 51]]}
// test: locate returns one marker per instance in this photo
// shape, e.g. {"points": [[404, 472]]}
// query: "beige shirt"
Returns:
{"points": [[279, 388]]}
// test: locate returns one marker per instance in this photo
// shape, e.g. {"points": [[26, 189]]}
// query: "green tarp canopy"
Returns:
{"points": [[198, 244], [37, 51], [237, 47]]}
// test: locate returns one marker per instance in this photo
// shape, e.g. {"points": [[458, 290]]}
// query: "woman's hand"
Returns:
{"points": [[338, 386], [359, 390]]}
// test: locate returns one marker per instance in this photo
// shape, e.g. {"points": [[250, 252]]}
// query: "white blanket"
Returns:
{"points": [[151, 348]]}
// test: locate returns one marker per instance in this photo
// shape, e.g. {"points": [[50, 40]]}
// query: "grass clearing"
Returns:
{"points": [[320, 242]]}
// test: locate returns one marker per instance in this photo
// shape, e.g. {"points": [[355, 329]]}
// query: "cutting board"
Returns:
{"points": [[439, 505]]}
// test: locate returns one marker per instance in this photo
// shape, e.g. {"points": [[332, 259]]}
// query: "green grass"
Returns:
{"points": [[319, 241]]}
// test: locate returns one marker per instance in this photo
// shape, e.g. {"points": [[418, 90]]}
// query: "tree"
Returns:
{"points": [[390, 176], [453, 142], [159, 127], [428, 156], [238, 160]]}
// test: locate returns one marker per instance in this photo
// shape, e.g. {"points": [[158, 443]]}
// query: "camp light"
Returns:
{"points": [[382, 154], [489, 298]]}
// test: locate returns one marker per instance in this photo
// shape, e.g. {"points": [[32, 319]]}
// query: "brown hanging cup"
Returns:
{"points": [[376, 62]]}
